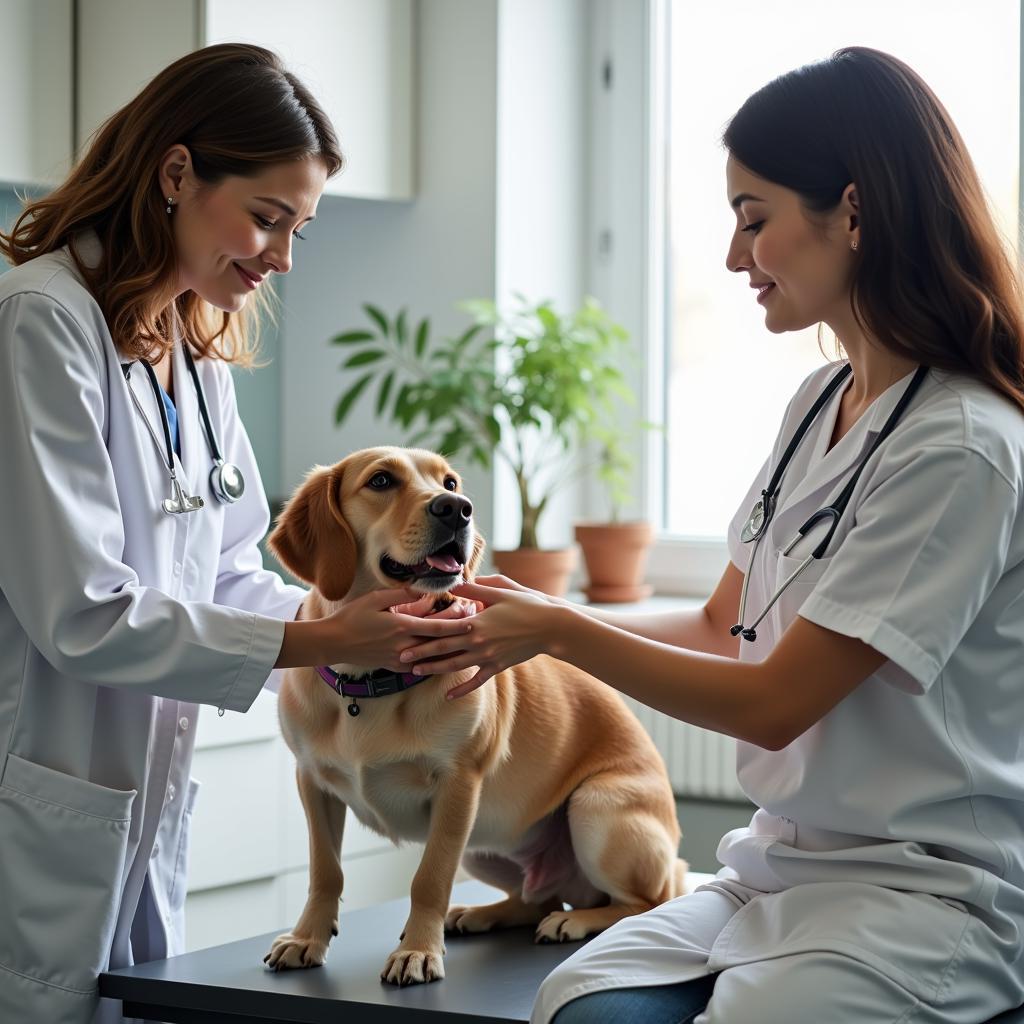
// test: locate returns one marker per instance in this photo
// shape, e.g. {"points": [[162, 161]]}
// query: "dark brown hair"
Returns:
{"points": [[933, 279], [237, 110]]}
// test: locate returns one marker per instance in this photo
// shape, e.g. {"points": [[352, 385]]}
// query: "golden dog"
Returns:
{"points": [[540, 783]]}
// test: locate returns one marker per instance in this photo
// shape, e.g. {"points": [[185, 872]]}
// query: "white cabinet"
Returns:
{"points": [[37, 89], [355, 56]]}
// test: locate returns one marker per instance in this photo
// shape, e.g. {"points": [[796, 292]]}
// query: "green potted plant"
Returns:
{"points": [[530, 386]]}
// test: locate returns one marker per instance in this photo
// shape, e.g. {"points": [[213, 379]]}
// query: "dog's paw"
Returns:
{"points": [[290, 951], [472, 920], [468, 920], [561, 926], [412, 967]]}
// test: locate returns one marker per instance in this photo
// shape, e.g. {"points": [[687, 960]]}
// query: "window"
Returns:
{"points": [[726, 380]]}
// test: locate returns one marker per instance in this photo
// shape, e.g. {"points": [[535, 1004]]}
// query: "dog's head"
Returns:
{"points": [[382, 517]]}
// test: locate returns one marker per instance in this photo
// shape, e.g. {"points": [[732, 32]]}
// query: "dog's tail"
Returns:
{"points": [[679, 870], [675, 884]]}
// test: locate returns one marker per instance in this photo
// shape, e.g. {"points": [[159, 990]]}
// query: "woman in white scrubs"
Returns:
{"points": [[879, 709], [119, 619]]}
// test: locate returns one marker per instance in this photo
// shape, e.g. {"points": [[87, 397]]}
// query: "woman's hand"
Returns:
{"points": [[376, 628], [423, 608], [514, 626]]}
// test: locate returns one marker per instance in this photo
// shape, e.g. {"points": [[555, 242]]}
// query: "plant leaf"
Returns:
{"points": [[421, 337], [378, 317], [362, 358], [347, 400], [352, 337], [385, 390], [400, 328]]}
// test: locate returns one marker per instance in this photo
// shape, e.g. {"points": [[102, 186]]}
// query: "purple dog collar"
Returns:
{"points": [[380, 683]]}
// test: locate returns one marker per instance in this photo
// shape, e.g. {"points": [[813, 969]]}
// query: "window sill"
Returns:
{"points": [[657, 602]]}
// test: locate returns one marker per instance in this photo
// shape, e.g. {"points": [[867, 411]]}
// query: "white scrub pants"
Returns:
{"points": [[846, 952]]}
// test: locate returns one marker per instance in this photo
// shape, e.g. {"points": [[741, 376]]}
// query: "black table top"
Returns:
{"points": [[488, 978]]}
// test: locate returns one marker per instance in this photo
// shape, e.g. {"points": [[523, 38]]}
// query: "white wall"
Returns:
{"points": [[542, 194], [426, 254], [500, 202]]}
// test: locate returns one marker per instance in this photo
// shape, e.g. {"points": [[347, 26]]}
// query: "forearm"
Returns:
{"points": [[304, 644], [707, 690], [691, 628]]}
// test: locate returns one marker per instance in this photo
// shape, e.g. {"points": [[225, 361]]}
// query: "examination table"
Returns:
{"points": [[490, 979]]}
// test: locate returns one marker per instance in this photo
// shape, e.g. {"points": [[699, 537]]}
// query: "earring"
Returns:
{"points": [[170, 203], [853, 244]]}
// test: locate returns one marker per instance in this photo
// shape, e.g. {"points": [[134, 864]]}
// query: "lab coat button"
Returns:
{"points": [[183, 724], [171, 791], [177, 568]]}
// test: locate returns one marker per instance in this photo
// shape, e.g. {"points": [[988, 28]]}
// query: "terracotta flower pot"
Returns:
{"points": [[616, 557], [547, 571]]}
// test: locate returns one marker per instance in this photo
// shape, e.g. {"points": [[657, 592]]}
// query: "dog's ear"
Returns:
{"points": [[312, 538], [479, 545]]}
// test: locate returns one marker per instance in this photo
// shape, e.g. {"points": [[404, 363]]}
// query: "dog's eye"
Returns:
{"points": [[450, 483], [379, 481]]}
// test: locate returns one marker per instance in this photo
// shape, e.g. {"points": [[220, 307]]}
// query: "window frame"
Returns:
{"points": [[628, 263]]}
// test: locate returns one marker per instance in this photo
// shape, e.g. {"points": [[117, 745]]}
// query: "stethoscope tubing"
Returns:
{"points": [[226, 479], [833, 511]]}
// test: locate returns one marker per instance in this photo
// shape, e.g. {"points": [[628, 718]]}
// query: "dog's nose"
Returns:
{"points": [[452, 509]]}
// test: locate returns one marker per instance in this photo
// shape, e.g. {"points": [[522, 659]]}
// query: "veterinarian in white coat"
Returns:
{"points": [[879, 702], [117, 619]]}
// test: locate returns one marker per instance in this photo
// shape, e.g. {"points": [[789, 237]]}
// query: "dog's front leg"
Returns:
{"points": [[418, 957], [306, 944]]}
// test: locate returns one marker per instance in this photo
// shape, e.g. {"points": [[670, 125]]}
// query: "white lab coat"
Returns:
{"points": [[116, 622], [884, 869]]}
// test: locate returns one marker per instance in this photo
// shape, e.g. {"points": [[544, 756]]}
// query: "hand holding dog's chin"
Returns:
{"points": [[517, 624], [365, 632]]}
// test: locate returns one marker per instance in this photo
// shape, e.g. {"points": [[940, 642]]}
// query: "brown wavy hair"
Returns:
{"points": [[933, 280], [237, 110]]}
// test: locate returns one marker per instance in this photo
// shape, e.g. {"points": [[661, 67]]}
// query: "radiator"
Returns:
{"points": [[700, 763]]}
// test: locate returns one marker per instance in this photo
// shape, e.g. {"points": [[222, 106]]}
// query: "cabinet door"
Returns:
{"points": [[122, 44], [35, 82], [356, 58]]}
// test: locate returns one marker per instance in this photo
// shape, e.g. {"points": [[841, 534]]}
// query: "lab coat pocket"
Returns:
{"points": [[793, 597], [64, 844], [179, 883]]}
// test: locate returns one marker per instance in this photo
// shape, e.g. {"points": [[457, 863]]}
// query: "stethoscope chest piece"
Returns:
{"points": [[758, 520], [226, 482]]}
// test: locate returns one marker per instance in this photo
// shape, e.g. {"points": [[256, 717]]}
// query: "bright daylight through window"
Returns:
{"points": [[728, 378]]}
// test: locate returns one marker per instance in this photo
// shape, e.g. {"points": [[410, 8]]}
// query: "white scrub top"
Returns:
{"points": [[116, 622], [914, 783]]}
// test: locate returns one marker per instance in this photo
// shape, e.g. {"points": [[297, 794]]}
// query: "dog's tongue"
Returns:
{"points": [[443, 563]]}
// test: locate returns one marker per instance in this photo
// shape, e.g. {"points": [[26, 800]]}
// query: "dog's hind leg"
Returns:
{"points": [[624, 841], [504, 874]]}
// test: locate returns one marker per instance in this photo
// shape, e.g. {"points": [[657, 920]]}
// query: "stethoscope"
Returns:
{"points": [[764, 508], [226, 480]]}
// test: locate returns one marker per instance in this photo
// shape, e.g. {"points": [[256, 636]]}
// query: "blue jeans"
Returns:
{"points": [[658, 1004]]}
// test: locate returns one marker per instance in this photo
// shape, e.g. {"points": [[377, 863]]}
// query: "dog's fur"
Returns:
{"points": [[540, 782]]}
